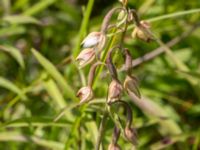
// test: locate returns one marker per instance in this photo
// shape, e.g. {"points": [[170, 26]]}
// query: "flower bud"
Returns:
{"points": [[141, 32], [130, 85], [85, 94], [113, 146], [114, 91], [131, 135], [93, 39], [85, 57]]}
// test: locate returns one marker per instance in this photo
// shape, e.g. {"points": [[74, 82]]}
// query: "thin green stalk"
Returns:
{"points": [[83, 27], [110, 45], [162, 17], [178, 63], [75, 127], [173, 15], [101, 130]]}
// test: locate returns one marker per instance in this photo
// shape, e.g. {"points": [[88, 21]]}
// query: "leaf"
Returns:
{"points": [[19, 137], [41, 5], [163, 144], [35, 122], [150, 108], [21, 19], [190, 74], [10, 86], [51, 69], [92, 130], [83, 28], [15, 53], [12, 30], [57, 97]]}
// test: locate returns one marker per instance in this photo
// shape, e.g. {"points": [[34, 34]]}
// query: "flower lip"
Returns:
{"points": [[91, 40], [85, 57], [85, 94]]}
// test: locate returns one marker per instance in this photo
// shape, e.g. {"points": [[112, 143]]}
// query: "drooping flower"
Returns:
{"points": [[94, 39], [113, 146], [85, 57], [85, 94], [114, 91], [141, 32], [131, 85], [131, 135]]}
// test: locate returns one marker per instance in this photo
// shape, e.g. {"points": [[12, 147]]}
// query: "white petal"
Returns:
{"points": [[90, 41]]}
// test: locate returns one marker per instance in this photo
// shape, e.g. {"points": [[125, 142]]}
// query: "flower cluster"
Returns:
{"points": [[93, 49]]}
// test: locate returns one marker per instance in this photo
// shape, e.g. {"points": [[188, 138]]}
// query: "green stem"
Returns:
{"points": [[173, 15], [111, 43], [162, 17], [83, 27], [101, 129]]}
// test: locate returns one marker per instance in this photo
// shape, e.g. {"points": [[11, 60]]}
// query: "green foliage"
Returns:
{"points": [[39, 77]]}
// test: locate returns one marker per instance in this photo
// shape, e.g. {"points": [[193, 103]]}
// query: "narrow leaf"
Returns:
{"points": [[57, 97], [35, 122], [15, 53], [10, 86], [41, 5], [51, 69], [19, 137], [21, 19]]}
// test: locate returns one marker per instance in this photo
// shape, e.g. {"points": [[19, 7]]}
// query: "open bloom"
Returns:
{"points": [[114, 91], [130, 85], [94, 39], [85, 94], [131, 135], [141, 32], [91, 40], [85, 57]]}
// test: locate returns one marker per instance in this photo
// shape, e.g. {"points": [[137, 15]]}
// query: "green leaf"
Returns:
{"points": [[35, 122], [12, 30], [19, 137], [41, 5], [10, 86], [57, 97], [83, 28], [190, 74], [171, 140], [21, 19], [51, 69], [150, 108], [15, 53]]}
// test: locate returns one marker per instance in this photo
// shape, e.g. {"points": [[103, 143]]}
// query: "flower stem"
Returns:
{"points": [[101, 129]]}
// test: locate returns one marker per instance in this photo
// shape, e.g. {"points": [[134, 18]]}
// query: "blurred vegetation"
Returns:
{"points": [[39, 78]]}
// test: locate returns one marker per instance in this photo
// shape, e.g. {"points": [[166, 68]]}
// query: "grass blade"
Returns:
{"points": [[83, 27], [10, 86], [41, 5], [35, 122], [51, 69], [15, 53], [21, 19], [18, 137], [55, 94]]}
